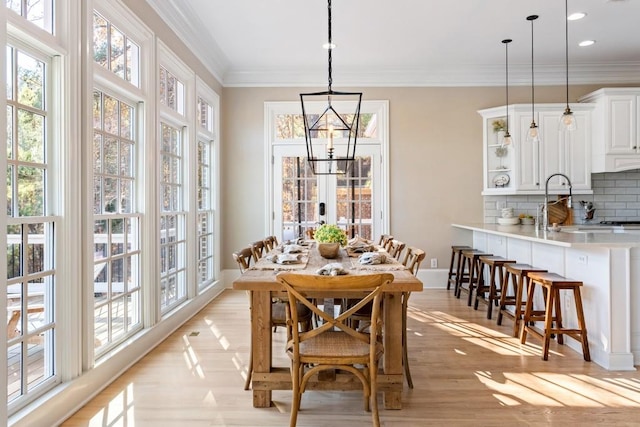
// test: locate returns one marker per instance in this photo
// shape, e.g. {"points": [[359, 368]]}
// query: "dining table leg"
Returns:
{"points": [[261, 344], [392, 337]]}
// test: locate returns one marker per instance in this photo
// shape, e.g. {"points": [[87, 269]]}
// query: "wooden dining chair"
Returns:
{"points": [[270, 243], [396, 248], [243, 258], [385, 241], [257, 249], [412, 261], [335, 344]]}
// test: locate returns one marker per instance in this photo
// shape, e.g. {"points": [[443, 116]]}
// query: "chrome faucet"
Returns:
{"points": [[545, 217]]}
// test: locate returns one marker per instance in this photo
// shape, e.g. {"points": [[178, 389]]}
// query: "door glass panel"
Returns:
{"points": [[299, 197], [353, 204]]}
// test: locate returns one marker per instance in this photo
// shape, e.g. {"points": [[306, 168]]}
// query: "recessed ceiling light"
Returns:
{"points": [[586, 43], [576, 16], [329, 46]]}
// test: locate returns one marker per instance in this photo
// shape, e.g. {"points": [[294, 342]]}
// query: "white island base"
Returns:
{"points": [[607, 263]]}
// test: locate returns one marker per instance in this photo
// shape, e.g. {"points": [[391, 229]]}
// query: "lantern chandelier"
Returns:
{"points": [[331, 136]]}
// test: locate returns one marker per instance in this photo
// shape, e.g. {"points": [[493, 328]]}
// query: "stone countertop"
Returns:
{"points": [[571, 236]]}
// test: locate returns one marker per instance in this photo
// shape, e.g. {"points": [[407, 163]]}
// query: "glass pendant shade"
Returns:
{"points": [[506, 140], [331, 120], [567, 120], [532, 133]]}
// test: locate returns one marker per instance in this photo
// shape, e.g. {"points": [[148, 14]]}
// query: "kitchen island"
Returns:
{"points": [[606, 260]]}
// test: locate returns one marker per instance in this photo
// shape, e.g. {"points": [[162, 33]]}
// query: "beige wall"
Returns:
{"points": [[435, 159]]}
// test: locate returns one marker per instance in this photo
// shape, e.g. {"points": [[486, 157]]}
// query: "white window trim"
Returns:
{"points": [[98, 77], [213, 99], [187, 122], [271, 109]]}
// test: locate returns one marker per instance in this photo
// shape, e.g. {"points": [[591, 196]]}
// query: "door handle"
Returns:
{"points": [[321, 209]]}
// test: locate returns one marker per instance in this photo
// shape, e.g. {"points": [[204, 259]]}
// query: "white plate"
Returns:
{"points": [[508, 221]]}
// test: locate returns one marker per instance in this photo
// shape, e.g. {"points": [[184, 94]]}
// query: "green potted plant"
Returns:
{"points": [[499, 125], [330, 238]]}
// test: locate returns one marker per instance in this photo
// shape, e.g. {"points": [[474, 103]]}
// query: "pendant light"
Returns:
{"points": [[506, 140], [567, 120], [532, 134], [331, 136]]}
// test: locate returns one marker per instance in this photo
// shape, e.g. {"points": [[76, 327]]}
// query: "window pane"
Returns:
{"points": [[30, 191], [100, 41], [117, 52], [111, 115], [30, 81], [31, 133]]}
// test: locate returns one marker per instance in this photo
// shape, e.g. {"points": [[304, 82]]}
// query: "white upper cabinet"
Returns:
{"points": [[616, 130], [525, 166]]}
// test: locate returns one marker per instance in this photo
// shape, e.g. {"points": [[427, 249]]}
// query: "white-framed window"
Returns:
{"points": [[207, 118], [115, 51], [31, 223], [119, 44], [116, 229], [38, 12], [175, 83]]}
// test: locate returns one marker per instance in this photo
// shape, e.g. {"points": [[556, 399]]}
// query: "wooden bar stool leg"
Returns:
{"points": [[581, 324], [475, 278], [517, 312], [558, 317], [527, 313], [548, 323], [462, 262], [451, 265]]}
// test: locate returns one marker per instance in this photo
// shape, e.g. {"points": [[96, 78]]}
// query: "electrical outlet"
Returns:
{"points": [[434, 262], [582, 259]]}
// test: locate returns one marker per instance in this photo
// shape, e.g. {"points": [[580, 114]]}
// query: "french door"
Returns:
{"points": [[302, 200]]}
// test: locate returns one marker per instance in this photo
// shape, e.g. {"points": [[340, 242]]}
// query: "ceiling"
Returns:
{"points": [[407, 42]]}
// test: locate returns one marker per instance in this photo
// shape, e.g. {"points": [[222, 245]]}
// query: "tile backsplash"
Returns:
{"points": [[616, 197]]}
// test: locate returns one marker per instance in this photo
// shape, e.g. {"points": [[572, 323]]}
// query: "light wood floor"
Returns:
{"points": [[467, 371]]}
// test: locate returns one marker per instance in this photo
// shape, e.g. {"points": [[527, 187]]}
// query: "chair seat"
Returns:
{"points": [[279, 313], [338, 344]]}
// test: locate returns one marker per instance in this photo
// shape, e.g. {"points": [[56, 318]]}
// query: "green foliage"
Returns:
{"points": [[330, 233]]}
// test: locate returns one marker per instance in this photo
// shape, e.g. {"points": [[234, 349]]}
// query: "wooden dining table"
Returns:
{"points": [[260, 281]]}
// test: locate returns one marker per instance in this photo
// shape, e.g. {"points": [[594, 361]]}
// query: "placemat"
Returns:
{"points": [[265, 264], [388, 266]]}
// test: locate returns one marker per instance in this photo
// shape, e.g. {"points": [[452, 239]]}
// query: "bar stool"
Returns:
{"points": [[553, 283], [456, 254], [470, 261], [495, 264], [517, 276]]}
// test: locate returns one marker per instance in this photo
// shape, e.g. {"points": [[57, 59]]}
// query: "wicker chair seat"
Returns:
{"points": [[343, 349]]}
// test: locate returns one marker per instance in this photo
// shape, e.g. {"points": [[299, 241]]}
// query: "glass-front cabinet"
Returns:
{"points": [[523, 167]]}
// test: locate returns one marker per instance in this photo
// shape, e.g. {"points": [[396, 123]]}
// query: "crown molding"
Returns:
{"points": [[180, 20], [463, 76]]}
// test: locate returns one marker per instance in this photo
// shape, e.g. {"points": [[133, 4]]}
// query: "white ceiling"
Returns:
{"points": [[408, 42]]}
